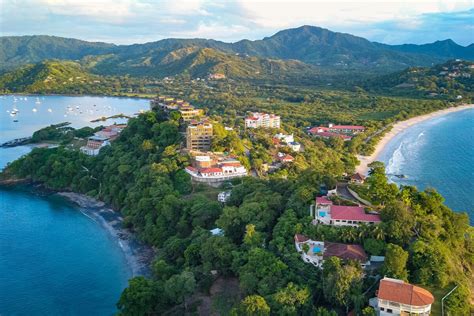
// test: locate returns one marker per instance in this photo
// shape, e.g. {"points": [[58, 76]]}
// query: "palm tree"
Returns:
{"points": [[378, 232]]}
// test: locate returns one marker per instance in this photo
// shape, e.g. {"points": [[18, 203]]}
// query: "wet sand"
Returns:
{"points": [[398, 128], [138, 255]]}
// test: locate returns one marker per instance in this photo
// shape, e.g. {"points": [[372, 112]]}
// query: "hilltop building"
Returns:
{"points": [[215, 172], [262, 120], [346, 132], [101, 139], [325, 212], [318, 251], [216, 76], [199, 136], [187, 111], [288, 140], [396, 297]]}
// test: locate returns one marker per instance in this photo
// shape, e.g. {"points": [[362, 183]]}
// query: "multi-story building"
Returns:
{"points": [[217, 173], [189, 113], [101, 139], [396, 297], [199, 136], [325, 212], [264, 120], [346, 132]]}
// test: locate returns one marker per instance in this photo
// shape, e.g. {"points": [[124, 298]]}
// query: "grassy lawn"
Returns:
{"points": [[438, 294]]}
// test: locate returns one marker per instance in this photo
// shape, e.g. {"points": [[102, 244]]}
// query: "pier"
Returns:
{"points": [[16, 142]]}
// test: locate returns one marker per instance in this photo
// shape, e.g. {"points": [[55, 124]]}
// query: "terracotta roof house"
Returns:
{"points": [[345, 251], [396, 297], [324, 212], [318, 251], [357, 178]]}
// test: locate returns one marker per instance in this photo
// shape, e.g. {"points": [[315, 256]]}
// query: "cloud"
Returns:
{"points": [[129, 21]]}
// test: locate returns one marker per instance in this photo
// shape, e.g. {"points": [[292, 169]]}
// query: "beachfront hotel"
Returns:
{"points": [[396, 297], [318, 251], [345, 132], [262, 120], [325, 212]]}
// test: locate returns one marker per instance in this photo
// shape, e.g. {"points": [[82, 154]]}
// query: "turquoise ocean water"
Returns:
{"points": [[437, 153], [53, 259]]}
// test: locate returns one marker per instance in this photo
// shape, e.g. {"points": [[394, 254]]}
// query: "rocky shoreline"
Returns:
{"points": [[138, 255]]}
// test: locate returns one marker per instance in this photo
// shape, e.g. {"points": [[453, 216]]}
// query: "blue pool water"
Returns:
{"points": [[437, 153], [53, 259]]}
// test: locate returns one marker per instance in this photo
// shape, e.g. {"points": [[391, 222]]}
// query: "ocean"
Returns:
{"points": [[53, 259], [437, 153]]}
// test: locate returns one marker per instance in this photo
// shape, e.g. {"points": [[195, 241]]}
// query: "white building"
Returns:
{"points": [[224, 196], [324, 212], [94, 144], [396, 297], [318, 251], [265, 120]]}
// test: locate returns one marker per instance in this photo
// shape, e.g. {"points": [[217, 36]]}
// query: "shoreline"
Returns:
{"points": [[75, 95], [137, 254], [399, 127]]}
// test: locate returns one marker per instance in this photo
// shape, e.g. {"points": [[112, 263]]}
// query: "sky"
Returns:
{"points": [[139, 21]]}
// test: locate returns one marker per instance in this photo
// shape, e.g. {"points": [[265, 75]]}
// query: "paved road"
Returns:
{"points": [[343, 192]]}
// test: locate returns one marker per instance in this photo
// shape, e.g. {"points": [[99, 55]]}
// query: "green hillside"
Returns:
{"points": [[451, 80], [309, 44], [63, 77]]}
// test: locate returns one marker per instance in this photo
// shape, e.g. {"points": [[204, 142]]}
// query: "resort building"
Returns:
{"points": [[94, 144], [199, 136], [346, 132], [288, 141], [223, 171], [216, 76], [325, 212], [101, 139], [187, 111], [264, 120], [396, 297], [315, 252]]}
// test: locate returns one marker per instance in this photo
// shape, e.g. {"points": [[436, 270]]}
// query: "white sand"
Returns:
{"points": [[399, 127]]}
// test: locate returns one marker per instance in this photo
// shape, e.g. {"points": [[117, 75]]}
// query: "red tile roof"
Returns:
{"points": [[354, 127], [287, 158], [210, 170], [231, 164], [344, 251], [301, 238], [357, 176], [404, 293], [190, 168], [323, 200], [353, 213]]}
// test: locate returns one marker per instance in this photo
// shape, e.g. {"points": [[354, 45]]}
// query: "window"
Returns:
{"points": [[389, 310], [382, 309]]}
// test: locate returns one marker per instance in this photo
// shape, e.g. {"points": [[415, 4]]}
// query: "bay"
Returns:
{"points": [[53, 259], [437, 153]]}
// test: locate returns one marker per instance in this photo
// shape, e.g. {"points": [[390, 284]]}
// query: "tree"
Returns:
{"points": [[374, 247], [321, 311], [395, 262], [338, 280], [262, 273], [458, 302], [252, 237], [289, 300], [179, 286], [139, 298], [253, 305]]}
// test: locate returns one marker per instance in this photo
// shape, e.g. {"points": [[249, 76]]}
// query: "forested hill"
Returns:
{"points": [[452, 80], [308, 44]]}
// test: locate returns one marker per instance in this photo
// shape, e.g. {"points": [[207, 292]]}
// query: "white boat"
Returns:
{"points": [[35, 110], [50, 110]]}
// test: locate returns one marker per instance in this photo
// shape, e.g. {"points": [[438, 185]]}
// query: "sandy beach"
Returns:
{"points": [[137, 254], [397, 128]]}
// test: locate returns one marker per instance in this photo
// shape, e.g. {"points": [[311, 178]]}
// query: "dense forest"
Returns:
{"points": [[254, 269]]}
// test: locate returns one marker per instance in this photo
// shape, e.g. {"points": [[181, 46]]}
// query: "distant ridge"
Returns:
{"points": [[307, 44]]}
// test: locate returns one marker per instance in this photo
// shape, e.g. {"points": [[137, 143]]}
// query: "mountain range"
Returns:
{"points": [[290, 52]]}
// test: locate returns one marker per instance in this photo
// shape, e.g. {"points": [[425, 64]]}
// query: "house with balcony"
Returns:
{"points": [[397, 297], [345, 132], [315, 252], [212, 172], [101, 139], [262, 120], [325, 212]]}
